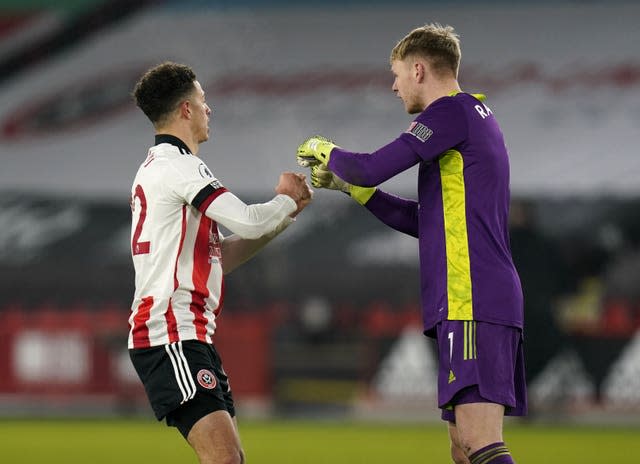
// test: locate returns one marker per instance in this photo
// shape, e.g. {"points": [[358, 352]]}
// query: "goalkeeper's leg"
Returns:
{"points": [[481, 377], [476, 437]]}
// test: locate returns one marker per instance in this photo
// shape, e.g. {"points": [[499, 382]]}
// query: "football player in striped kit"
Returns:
{"points": [[180, 258], [471, 293]]}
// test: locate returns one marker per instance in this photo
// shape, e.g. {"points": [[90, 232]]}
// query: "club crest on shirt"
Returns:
{"points": [[206, 379], [204, 171], [419, 131]]}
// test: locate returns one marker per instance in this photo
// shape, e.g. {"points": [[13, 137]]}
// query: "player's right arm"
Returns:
{"points": [[192, 181], [256, 220], [398, 213], [250, 221]]}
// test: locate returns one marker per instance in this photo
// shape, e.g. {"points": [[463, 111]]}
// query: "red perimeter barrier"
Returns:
{"points": [[66, 353], [80, 350]]}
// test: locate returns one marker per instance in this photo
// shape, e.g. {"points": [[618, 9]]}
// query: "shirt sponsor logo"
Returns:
{"points": [[206, 379], [419, 131]]}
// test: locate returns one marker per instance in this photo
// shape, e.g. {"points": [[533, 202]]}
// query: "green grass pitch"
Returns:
{"points": [[281, 441]]}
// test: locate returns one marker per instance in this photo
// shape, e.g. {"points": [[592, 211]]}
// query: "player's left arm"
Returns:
{"points": [[398, 213], [237, 250]]}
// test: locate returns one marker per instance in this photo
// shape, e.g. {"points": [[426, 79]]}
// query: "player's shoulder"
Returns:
{"points": [[189, 163], [158, 156], [455, 106], [457, 100], [166, 150], [443, 107], [470, 101]]}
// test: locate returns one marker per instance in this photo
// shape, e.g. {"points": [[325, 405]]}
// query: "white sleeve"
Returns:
{"points": [[250, 221]]}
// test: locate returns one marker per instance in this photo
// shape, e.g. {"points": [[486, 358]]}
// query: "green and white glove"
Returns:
{"points": [[315, 150], [322, 177]]}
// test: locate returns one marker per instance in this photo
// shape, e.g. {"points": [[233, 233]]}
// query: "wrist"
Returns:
{"points": [[361, 194], [325, 153], [288, 199]]}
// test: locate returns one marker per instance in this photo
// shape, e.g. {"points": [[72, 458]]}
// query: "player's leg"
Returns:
{"points": [[186, 385], [457, 451], [235, 425], [479, 433], [215, 439], [481, 371]]}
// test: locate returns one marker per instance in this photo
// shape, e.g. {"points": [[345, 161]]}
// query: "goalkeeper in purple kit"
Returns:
{"points": [[471, 294]]}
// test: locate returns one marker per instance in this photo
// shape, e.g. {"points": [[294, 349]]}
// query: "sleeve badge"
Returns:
{"points": [[419, 131]]}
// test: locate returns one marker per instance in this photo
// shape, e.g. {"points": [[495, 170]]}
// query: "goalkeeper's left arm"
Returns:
{"points": [[398, 213], [322, 177]]}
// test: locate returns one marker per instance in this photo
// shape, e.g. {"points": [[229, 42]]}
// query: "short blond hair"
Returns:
{"points": [[438, 44]]}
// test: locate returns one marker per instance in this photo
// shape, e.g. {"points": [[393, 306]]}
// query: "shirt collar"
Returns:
{"points": [[478, 96], [175, 141]]}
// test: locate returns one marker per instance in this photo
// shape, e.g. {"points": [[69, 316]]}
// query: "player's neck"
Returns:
{"points": [[183, 134], [441, 88]]}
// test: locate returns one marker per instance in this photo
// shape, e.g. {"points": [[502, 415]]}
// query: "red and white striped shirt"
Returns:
{"points": [[176, 247]]}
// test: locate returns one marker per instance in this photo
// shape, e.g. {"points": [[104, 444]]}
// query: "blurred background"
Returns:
{"points": [[326, 321]]}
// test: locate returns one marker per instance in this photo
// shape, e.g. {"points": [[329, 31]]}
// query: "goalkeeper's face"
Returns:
{"points": [[405, 84]]}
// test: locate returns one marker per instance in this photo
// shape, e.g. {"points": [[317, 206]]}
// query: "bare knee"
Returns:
{"points": [[215, 440], [478, 425], [218, 458], [458, 455]]}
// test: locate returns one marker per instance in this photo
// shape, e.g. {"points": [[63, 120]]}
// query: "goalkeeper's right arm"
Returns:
{"points": [[322, 177]]}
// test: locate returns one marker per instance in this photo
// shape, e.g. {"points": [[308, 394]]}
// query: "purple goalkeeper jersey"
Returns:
{"points": [[461, 216]]}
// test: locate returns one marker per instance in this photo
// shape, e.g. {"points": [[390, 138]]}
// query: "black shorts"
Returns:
{"points": [[184, 382]]}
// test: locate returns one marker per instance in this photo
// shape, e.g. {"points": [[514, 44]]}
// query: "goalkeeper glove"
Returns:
{"points": [[322, 177], [315, 150]]}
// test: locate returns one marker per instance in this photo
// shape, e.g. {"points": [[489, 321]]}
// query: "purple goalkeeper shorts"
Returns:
{"points": [[480, 362]]}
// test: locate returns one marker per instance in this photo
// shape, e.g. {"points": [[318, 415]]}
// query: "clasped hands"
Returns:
{"points": [[295, 186], [314, 153]]}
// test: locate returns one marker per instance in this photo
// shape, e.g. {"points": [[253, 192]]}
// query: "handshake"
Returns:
{"points": [[314, 153]]}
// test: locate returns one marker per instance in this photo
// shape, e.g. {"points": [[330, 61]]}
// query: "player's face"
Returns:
{"points": [[405, 85], [201, 113]]}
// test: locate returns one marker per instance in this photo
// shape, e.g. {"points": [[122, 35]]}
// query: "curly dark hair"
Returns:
{"points": [[161, 89]]}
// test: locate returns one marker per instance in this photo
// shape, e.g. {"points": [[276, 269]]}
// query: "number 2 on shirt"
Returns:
{"points": [[140, 248]]}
